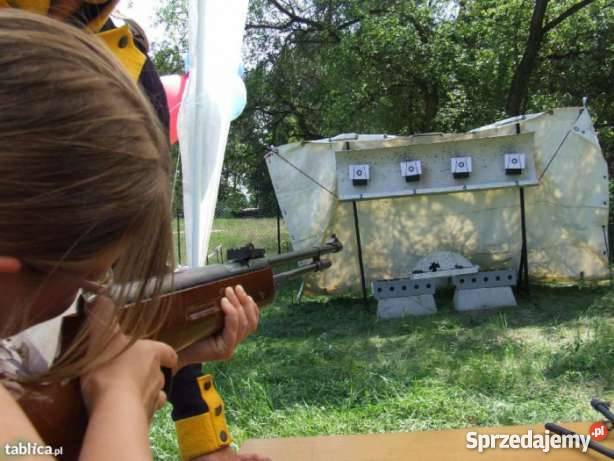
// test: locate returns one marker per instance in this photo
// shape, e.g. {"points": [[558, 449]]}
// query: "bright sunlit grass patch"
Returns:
{"points": [[329, 367]]}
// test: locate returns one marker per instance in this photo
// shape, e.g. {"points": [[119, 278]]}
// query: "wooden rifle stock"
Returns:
{"points": [[58, 411]]}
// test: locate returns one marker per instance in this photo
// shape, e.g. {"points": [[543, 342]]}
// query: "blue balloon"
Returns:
{"points": [[186, 63], [238, 97]]}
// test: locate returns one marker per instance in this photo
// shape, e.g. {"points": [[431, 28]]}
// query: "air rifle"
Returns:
{"points": [[604, 409], [193, 296]]}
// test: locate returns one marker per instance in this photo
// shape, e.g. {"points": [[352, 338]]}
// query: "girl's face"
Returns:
{"points": [[33, 293]]}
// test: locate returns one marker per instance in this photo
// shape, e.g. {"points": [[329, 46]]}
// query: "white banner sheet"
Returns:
{"points": [[566, 214], [215, 39]]}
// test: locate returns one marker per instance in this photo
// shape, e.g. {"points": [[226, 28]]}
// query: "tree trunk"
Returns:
{"points": [[520, 83], [431, 106]]}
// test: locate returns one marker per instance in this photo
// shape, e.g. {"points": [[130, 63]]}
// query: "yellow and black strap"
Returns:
{"points": [[198, 412]]}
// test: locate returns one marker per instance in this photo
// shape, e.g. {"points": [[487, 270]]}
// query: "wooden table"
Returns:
{"points": [[448, 445]]}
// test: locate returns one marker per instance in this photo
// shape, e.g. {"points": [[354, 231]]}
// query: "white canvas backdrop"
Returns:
{"points": [[567, 213], [215, 37]]}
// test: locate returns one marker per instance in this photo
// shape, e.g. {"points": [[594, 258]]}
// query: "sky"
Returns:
{"points": [[143, 12]]}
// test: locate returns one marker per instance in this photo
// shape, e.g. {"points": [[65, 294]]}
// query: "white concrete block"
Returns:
{"points": [[391, 308], [483, 298]]}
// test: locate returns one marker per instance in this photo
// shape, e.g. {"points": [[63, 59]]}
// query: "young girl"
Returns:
{"points": [[84, 186]]}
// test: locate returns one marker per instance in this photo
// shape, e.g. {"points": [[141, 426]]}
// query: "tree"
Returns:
{"points": [[169, 52], [537, 32], [317, 68]]}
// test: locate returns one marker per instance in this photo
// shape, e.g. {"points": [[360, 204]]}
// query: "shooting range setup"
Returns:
{"points": [[446, 167], [482, 210]]}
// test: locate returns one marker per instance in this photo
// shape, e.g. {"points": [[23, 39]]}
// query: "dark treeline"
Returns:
{"points": [[317, 68]]}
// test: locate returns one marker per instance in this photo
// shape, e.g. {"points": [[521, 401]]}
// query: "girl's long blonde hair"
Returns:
{"points": [[84, 163]]}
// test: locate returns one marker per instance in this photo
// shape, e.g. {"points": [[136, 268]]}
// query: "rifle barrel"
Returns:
{"points": [[603, 408], [332, 246], [313, 267], [560, 430], [188, 278]]}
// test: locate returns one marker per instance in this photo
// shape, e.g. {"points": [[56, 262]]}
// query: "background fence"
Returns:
{"points": [[271, 233], [610, 240], [236, 230]]}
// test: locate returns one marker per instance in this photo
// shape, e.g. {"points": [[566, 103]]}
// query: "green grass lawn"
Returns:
{"points": [[327, 366]]}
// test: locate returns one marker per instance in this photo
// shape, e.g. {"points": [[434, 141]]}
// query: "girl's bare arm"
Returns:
{"points": [[16, 428]]}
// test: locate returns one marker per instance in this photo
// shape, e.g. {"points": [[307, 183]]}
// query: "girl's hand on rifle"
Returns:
{"points": [[122, 394], [241, 316], [135, 371]]}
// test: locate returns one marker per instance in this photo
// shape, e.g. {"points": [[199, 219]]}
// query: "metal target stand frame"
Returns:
{"points": [[522, 284]]}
